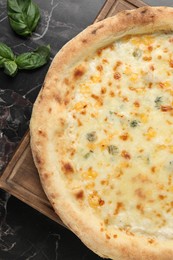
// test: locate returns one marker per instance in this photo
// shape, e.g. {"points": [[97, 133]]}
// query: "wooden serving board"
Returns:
{"points": [[20, 177]]}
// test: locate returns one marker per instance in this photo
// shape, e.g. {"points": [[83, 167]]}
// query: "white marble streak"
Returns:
{"points": [[27, 251], [5, 229], [32, 256], [31, 90], [3, 18], [57, 238], [39, 36]]}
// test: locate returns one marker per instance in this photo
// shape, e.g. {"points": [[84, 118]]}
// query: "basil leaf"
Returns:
{"points": [[35, 59], [5, 54], [10, 68], [23, 15]]}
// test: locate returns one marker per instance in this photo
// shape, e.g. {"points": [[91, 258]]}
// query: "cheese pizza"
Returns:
{"points": [[101, 135]]}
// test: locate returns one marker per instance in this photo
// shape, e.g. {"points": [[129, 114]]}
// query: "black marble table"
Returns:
{"points": [[25, 233]]}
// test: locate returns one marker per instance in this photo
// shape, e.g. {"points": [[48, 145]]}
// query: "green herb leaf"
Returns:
{"points": [[134, 123], [91, 137], [137, 53], [87, 155], [158, 101], [5, 54], [111, 112], [26, 61], [10, 68], [112, 149], [23, 16], [35, 59]]}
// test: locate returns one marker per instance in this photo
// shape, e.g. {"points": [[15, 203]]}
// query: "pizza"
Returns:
{"points": [[101, 135]]}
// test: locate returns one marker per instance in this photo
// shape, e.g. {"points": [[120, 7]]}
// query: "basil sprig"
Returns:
{"points": [[7, 60], [23, 16], [34, 59], [25, 61]]}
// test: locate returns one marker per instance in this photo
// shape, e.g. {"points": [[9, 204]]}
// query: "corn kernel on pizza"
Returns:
{"points": [[102, 135]]}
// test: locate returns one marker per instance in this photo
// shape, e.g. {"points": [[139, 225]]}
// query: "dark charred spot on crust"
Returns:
{"points": [[62, 122], [66, 81], [42, 133], [79, 195], [78, 72], [40, 98], [144, 11], [160, 10], [150, 15], [151, 241], [84, 40], [67, 168], [43, 85], [49, 110], [98, 28], [128, 13], [53, 195], [46, 176], [66, 101], [107, 236], [38, 159], [57, 98]]}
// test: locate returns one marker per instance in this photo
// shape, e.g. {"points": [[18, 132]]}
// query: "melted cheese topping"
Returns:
{"points": [[120, 128]]}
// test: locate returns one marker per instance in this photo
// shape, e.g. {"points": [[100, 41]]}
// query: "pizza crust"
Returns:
{"points": [[49, 120]]}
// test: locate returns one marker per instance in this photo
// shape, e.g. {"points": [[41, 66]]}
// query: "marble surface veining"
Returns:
{"points": [[25, 233]]}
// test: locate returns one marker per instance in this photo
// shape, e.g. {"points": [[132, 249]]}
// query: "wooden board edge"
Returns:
{"points": [[45, 209], [16, 156], [104, 10]]}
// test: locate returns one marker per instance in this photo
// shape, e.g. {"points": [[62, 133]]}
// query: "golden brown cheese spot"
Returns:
{"points": [[145, 58], [80, 195], [150, 48], [78, 72], [125, 155], [124, 137], [99, 68], [118, 64], [162, 197], [107, 236], [112, 94], [103, 90], [100, 50], [140, 208], [166, 108], [117, 76], [94, 200], [119, 207], [140, 193], [98, 99], [153, 169], [67, 168], [101, 202]]}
